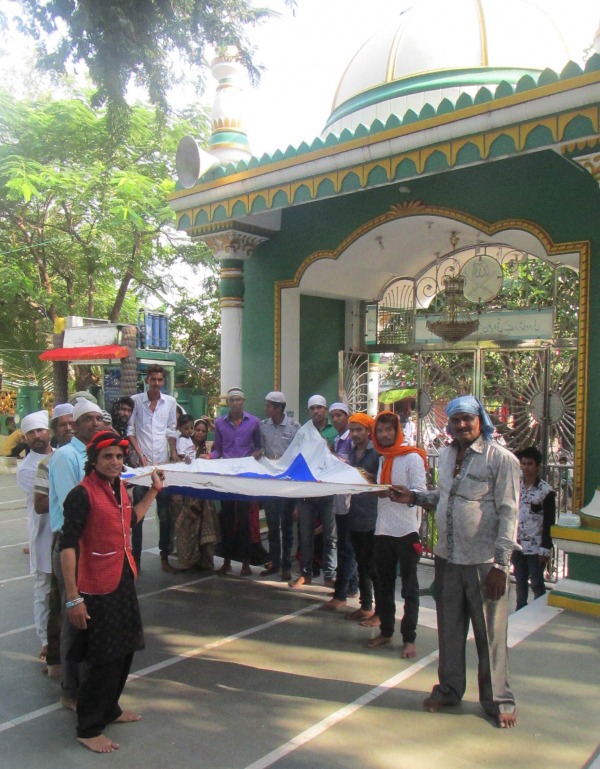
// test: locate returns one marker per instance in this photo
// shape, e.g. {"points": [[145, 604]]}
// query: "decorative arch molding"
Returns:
{"points": [[417, 208]]}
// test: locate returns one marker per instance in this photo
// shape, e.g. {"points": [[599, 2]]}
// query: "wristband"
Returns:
{"points": [[74, 602]]}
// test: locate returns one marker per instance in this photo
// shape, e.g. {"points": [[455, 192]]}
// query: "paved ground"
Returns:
{"points": [[247, 674]]}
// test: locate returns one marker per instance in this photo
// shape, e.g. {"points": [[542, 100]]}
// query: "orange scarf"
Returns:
{"points": [[399, 449]]}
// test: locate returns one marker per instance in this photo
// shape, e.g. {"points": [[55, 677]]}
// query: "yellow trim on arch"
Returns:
{"points": [[416, 208]]}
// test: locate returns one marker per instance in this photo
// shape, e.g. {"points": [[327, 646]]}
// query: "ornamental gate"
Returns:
{"points": [[530, 392]]}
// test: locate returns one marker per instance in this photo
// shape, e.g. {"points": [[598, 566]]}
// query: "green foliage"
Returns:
{"points": [[85, 227], [141, 41], [195, 323]]}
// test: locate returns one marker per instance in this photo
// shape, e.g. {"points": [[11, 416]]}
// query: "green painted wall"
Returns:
{"points": [[322, 337], [543, 188]]}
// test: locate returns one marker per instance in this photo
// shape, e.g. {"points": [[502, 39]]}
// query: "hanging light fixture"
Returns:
{"points": [[456, 322]]}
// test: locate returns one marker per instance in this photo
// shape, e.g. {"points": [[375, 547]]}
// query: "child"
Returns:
{"points": [[186, 450]]}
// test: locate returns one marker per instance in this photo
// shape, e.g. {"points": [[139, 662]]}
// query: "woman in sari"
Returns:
{"points": [[196, 520]]}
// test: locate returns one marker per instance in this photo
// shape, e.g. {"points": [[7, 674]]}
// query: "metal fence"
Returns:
{"points": [[559, 476]]}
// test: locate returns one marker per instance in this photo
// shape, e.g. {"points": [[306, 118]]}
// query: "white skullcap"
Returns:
{"points": [[62, 410], [339, 407], [84, 406], [36, 421], [317, 400], [236, 392], [275, 397]]}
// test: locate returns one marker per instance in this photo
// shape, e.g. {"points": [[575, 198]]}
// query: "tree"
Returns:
{"points": [[196, 332], [85, 227], [139, 39]]}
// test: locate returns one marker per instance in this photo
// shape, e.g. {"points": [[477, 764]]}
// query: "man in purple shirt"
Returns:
{"points": [[237, 434]]}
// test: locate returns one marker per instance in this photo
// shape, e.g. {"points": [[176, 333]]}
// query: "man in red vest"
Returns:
{"points": [[101, 598]]}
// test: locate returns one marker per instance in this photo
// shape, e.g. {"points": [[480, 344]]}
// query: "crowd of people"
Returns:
{"points": [[85, 527]]}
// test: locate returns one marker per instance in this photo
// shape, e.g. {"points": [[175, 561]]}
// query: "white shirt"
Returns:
{"points": [[185, 447], [153, 428], [476, 511], [394, 519], [40, 531]]}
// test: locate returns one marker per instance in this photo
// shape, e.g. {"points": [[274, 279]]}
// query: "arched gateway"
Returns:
{"points": [[448, 154]]}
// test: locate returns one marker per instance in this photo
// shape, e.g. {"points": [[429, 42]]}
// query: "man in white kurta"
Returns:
{"points": [[36, 431]]}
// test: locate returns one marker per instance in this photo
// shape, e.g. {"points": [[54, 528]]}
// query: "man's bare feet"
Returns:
{"points": [[166, 566], [25, 550], [70, 703], [506, 720], [43, 653], [245, 571], [372, 621], [54, 671], [300, 582], [333, 605], [127, 717], [409, 650], [380, 640], [225, 568], [359, 614], [435, 704], [99, 744]]}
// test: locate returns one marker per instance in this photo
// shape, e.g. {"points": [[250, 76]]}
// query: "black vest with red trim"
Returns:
{"points": [[106, 538]]}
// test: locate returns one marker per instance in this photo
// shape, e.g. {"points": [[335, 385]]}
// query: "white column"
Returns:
{"points": [[373, 386], [231, 248]]}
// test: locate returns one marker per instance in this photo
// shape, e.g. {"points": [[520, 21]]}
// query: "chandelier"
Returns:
{"points": [[456, 322]]}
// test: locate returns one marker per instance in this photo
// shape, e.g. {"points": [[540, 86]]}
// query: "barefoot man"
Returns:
{"points": [[397, 540], [101, 598], [477, 500]]}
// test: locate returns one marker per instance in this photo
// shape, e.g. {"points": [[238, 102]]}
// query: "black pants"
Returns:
{"points": [[363, 543], [389, 553], [99, 693], [235, 516]]}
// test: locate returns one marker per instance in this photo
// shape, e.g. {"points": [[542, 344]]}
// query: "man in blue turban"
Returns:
{"points": [[476, 502]]}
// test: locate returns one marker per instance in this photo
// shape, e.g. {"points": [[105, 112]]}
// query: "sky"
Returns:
{"points": [[305, 52], [305, 55]]}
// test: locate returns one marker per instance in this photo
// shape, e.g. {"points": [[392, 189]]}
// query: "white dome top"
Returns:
{"points": [[440, 49]]}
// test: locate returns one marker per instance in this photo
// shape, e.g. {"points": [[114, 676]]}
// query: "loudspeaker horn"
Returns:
{"points": [[192, 162]]}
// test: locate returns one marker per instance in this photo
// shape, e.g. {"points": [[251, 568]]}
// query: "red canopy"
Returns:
{"points": [[86, 353]]}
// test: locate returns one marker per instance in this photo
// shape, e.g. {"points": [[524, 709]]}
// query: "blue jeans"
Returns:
{"points": [[528, 567], [163, 508], [280, 523], [309, 512], [346, 580], [363, 543]]}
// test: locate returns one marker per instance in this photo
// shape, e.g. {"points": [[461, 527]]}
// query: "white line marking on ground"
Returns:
{"points": [[15, 520], [348, 710], [16, 630], [30, 716], [531, 618], [221, 642], [16, 544], [168, 662], [595, 762], [15, 579], [142, 595], [10, 501]]}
